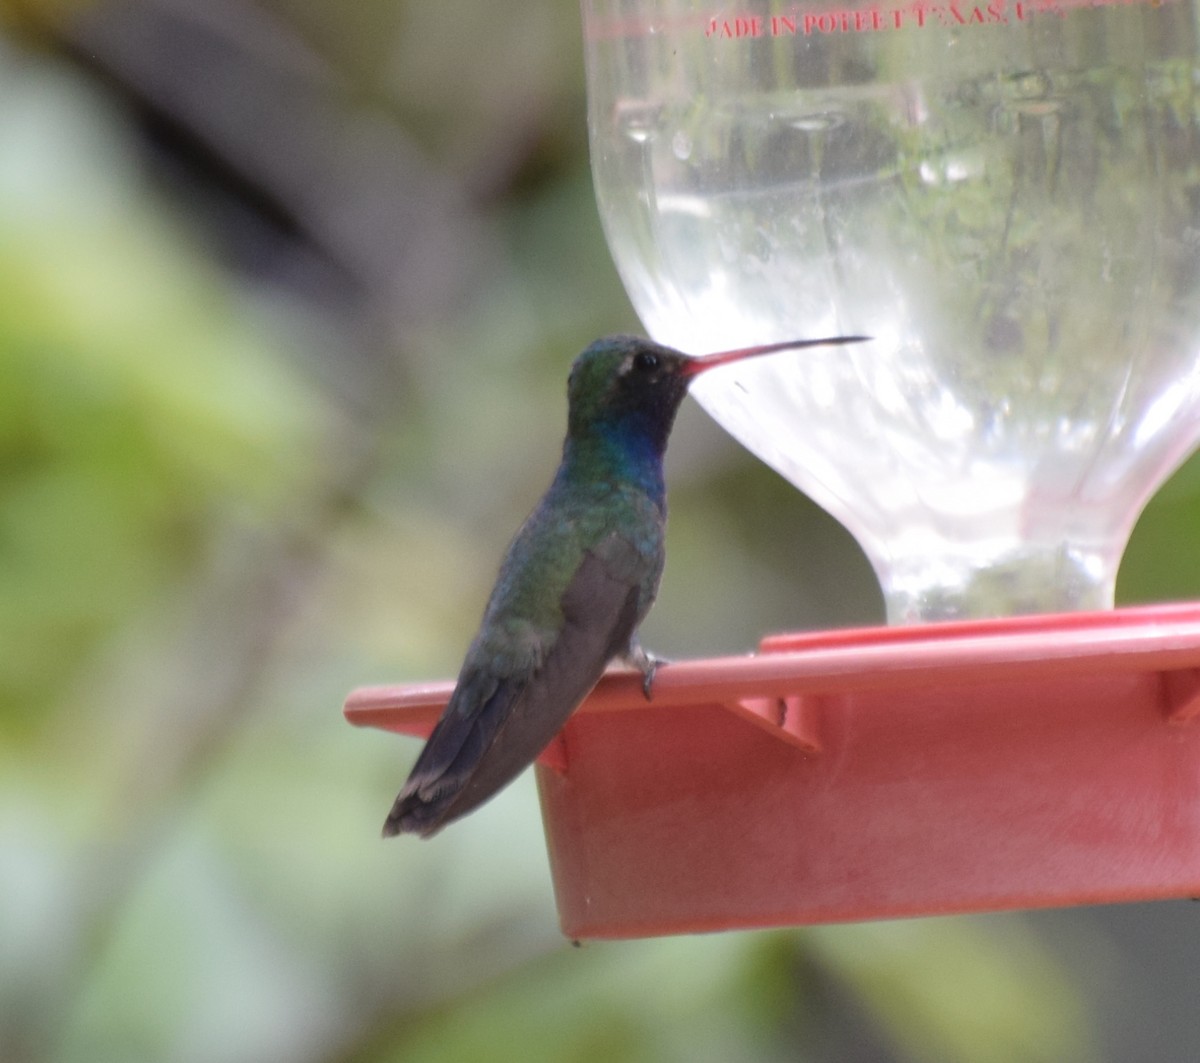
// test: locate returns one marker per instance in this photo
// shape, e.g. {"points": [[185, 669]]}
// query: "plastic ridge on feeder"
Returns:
{"points": [[868, 773]]}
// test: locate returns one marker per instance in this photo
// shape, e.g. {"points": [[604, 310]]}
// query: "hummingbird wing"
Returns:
{"points": [[508, 705]]}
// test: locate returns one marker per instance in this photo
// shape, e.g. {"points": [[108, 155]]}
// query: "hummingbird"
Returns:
{"points": [[574, 585]]}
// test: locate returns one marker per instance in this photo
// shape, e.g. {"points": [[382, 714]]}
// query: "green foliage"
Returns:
{"points": [[1159, 565], [143, 401]]}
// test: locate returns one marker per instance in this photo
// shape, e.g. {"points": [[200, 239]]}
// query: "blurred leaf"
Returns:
{"points": [[141, 399], [961, 990], [628, 1002], [1161, 562], [192, 974]]}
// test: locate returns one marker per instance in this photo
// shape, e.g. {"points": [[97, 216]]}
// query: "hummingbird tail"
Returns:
{"points": [[495, 725], [449, 762], [411, 814]]}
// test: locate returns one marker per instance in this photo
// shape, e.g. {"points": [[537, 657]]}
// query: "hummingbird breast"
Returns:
{"points": [[619, 523]]}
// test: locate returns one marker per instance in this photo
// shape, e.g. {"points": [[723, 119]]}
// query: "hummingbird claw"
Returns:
{"points": [[646, 663], [648, 678]]}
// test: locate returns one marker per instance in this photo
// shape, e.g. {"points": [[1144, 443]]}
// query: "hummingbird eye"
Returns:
{"points": [[645, 361]]}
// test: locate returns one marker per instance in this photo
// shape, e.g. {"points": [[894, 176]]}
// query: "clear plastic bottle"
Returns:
{"points": [[1005, 195]]}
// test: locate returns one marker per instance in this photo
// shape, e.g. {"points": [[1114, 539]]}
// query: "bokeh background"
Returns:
{"points": [[288, 292]]}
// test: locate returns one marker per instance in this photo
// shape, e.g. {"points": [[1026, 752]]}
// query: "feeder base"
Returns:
{"points": [[978, 766]]}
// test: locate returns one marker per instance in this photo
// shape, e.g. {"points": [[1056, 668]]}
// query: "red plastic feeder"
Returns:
{"points": [[977, 766]]}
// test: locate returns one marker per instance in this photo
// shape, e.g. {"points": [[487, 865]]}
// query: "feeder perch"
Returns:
{"points": [[873, 773]]}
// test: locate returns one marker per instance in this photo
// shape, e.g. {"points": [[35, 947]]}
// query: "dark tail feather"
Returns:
{"points": [[452, 754], [494, 728]]}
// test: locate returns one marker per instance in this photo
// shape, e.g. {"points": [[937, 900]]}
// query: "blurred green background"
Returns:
{"points": [[288, 291]]}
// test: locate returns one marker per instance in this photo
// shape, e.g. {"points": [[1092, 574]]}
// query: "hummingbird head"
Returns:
{"points": [[630, 388], [627, 384]]}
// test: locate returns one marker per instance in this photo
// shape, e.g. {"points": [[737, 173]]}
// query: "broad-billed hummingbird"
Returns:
{"points": [[576, 582]]}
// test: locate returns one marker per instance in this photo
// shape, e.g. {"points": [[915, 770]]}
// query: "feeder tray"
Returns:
{"points": [[871, 773]]}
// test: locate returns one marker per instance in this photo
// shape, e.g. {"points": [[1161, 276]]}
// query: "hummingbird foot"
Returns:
{"points": [[646, 663]]}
